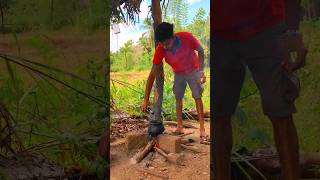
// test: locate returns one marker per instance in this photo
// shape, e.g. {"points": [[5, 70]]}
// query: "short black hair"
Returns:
{"points": [[163, 31]]}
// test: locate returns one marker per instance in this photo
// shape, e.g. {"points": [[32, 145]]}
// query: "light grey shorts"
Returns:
{"points": [[193, 80], [262, 55]]}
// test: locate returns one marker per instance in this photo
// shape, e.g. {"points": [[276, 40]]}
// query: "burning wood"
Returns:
{"points": [[141, 155]]}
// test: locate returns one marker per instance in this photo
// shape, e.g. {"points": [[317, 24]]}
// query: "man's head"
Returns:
{"points": [[164, 35]]}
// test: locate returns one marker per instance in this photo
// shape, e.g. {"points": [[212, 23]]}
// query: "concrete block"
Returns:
{"points": [[169, 143]]}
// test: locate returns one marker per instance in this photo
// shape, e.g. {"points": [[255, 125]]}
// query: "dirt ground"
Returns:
{"points": [[195, 166]]}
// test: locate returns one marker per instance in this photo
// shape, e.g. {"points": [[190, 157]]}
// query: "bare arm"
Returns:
{"points": [[293, 39], [152, 75], [201, 57]]}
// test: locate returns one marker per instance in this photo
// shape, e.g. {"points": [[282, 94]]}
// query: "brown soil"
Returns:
{"points": [[196, 166]]}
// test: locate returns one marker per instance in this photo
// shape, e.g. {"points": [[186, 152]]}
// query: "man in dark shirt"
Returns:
{"points": [[258, 34]]}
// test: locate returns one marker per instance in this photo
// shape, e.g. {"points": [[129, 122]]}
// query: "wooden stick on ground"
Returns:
{"points": [[153, 173], [195, 149], [205, 142], [269, 164], [172, 123], [186, 134], [186, 141], [141, 155]]}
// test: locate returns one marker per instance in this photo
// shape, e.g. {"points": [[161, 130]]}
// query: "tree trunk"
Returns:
{"points": [[156, 12], [157, 18]]}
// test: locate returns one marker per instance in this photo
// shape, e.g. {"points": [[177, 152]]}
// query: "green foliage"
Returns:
{"points": [[44, 110], [177, 13], [147, 40], [124, 58], [200, 28], [45, 49], [56, 14], [144, 61], [127, 99]]}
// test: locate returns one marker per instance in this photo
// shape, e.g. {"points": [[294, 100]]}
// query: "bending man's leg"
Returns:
{"points": [[179, 115]]}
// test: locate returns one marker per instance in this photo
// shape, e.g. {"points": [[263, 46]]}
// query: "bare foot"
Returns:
{"points": [[204, 137]]}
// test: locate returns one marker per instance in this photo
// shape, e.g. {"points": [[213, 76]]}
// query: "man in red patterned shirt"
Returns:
{"points": [[178, 50], [258, 34]]}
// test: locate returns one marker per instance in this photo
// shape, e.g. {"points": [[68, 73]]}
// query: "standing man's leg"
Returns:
{"points": [[179, 115], [179, 87], [199, 107], [196, 88], [286, 140], [227, 75], [265, 54]]}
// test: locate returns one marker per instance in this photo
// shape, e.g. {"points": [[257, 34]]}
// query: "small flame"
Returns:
{"points": [[156, 144]]}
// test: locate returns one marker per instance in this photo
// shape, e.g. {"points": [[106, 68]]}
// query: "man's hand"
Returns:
{"points": [[294, 43], [202, 77], [144, 105]]}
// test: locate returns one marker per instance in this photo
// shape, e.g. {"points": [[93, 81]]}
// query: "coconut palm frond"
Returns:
{"points": [[125, 11]]}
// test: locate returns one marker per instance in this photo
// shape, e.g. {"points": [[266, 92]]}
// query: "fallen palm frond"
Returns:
{"points": [[22, 62], [51, 69], [129, 86], [249, 164], [31, 130], [10, 144]]}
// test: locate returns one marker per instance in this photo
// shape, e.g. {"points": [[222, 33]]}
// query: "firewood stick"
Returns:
{"points": [[270, 163], [205, 142], [186, 141], [141, 155], [186, 134], [172, 123], [310, 158], [160, 151], [191, 148]]}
